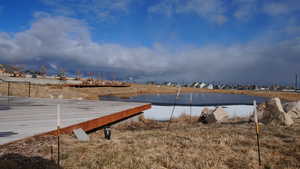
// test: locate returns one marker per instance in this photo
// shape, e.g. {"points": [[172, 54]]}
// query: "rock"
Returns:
{"points": [[216, 115], [273, 113], [293, 109], [204, 114], [294, 114], [220, 114]]}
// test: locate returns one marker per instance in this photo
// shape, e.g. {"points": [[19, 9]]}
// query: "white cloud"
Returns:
{"points": [[219, 11], [281, 7], [212, 10], [276, 8], [100, 9], [63, 38], [245, 9], [166, 7]]}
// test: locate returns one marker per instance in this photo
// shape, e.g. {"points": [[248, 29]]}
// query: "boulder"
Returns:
{"points": [[216, 115], [204, 114], [273, 113], [293, 109]]}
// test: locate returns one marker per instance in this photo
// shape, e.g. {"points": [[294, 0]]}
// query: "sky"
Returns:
{"points": [[249, 41]]}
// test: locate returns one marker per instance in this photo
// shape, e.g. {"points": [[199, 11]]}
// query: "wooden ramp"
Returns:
{"points": [[21, 118]]}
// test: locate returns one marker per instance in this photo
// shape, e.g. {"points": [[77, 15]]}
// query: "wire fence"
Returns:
{"points": [[16, 89], [24, 89]]}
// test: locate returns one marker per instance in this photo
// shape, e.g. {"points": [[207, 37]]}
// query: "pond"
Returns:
{"points": [[194, 99]]}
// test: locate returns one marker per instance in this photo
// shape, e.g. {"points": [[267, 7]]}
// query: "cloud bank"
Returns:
{"points": [[62, 40], [67, 42]]}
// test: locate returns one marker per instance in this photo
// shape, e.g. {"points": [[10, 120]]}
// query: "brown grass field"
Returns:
{"points": [[147, 144], [44, 91]]}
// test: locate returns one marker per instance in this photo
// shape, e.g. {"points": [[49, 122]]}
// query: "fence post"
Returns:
{"points": [[58, 133], [8, 88], [191, 102], [29, 88], [257, 131]]}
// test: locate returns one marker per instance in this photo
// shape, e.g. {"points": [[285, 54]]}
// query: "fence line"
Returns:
{"points": [[8, 88]]}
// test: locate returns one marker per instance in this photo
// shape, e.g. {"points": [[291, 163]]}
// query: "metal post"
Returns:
{"points": [[29, 88], [51, 151], [177, 96], [171, 114], [257, 132], [8, 88], [296, 81], [191, 102], [58, 147], [58, 133], [258, 145]]}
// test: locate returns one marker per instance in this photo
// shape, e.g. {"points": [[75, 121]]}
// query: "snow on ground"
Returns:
{"points": [[164, 112]]}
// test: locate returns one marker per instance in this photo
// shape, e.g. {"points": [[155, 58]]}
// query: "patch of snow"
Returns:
{"points": [[164, 112]]}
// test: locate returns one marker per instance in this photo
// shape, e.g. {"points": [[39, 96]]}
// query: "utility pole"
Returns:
{"points": [[296, 81], [29, 89]]}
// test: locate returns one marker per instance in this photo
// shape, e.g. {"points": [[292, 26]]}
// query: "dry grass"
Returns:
{"points": [[187, 144], [147, 143], [42, 91]]}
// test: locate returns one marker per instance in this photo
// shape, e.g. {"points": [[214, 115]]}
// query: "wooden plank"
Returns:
{"points": [[101, 121]]}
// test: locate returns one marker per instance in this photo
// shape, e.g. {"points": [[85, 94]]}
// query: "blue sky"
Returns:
{"points": [[226, 40], [139, 26]]}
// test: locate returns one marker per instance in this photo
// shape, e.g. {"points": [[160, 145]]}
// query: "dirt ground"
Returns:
{"points": [[45, 91], [148, 144]]}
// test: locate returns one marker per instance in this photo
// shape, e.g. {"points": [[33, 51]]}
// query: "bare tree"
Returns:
{"points": [[61, 74], [91, 75], [99, 76], [78, 75], [43, 70]]}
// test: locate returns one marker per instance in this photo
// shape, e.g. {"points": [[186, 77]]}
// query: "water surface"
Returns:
{"points": [[198, 99]]}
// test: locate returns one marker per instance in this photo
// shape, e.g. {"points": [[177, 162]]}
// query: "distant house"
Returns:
{"points": [[219, 86], [150, 83], [168, 84], [210, 86], [195, 84], [18, 74], [276, 87], [202, 85], [32, 74], [6, 70], [2, 71]]}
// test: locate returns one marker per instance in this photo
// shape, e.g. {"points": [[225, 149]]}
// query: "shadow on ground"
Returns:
{"points": [[7, 133], [17, 161]]}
